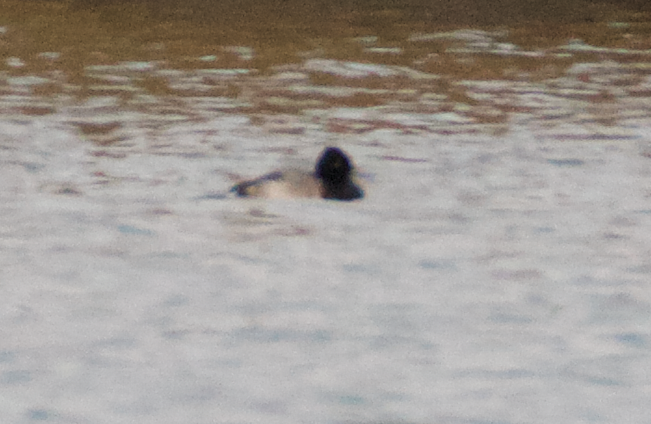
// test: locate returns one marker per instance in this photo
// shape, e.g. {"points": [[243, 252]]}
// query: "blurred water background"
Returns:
{"points": [[498, 270]]}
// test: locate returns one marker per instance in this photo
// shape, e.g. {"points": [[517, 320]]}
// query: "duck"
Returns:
{"points": [[332, 179]]}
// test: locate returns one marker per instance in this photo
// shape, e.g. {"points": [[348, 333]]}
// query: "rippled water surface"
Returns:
{"points": [[497, 271]]}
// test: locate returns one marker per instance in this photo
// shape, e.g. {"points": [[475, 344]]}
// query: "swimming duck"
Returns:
{"points": [[331, 179]]}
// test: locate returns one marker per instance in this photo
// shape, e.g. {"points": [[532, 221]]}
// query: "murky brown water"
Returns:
{"points": [[347, 69]]}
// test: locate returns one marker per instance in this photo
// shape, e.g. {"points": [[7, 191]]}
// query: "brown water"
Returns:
{"points": [[416, 67]]}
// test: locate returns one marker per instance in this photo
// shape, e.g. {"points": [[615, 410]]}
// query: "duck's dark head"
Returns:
{"points": [[333, 167], [334, 170]]}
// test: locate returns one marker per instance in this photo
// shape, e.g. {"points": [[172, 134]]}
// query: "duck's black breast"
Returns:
{"points": [[349, 191]]}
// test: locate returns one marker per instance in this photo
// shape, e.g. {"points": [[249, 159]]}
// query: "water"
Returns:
{"points": [[497, 271]]}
